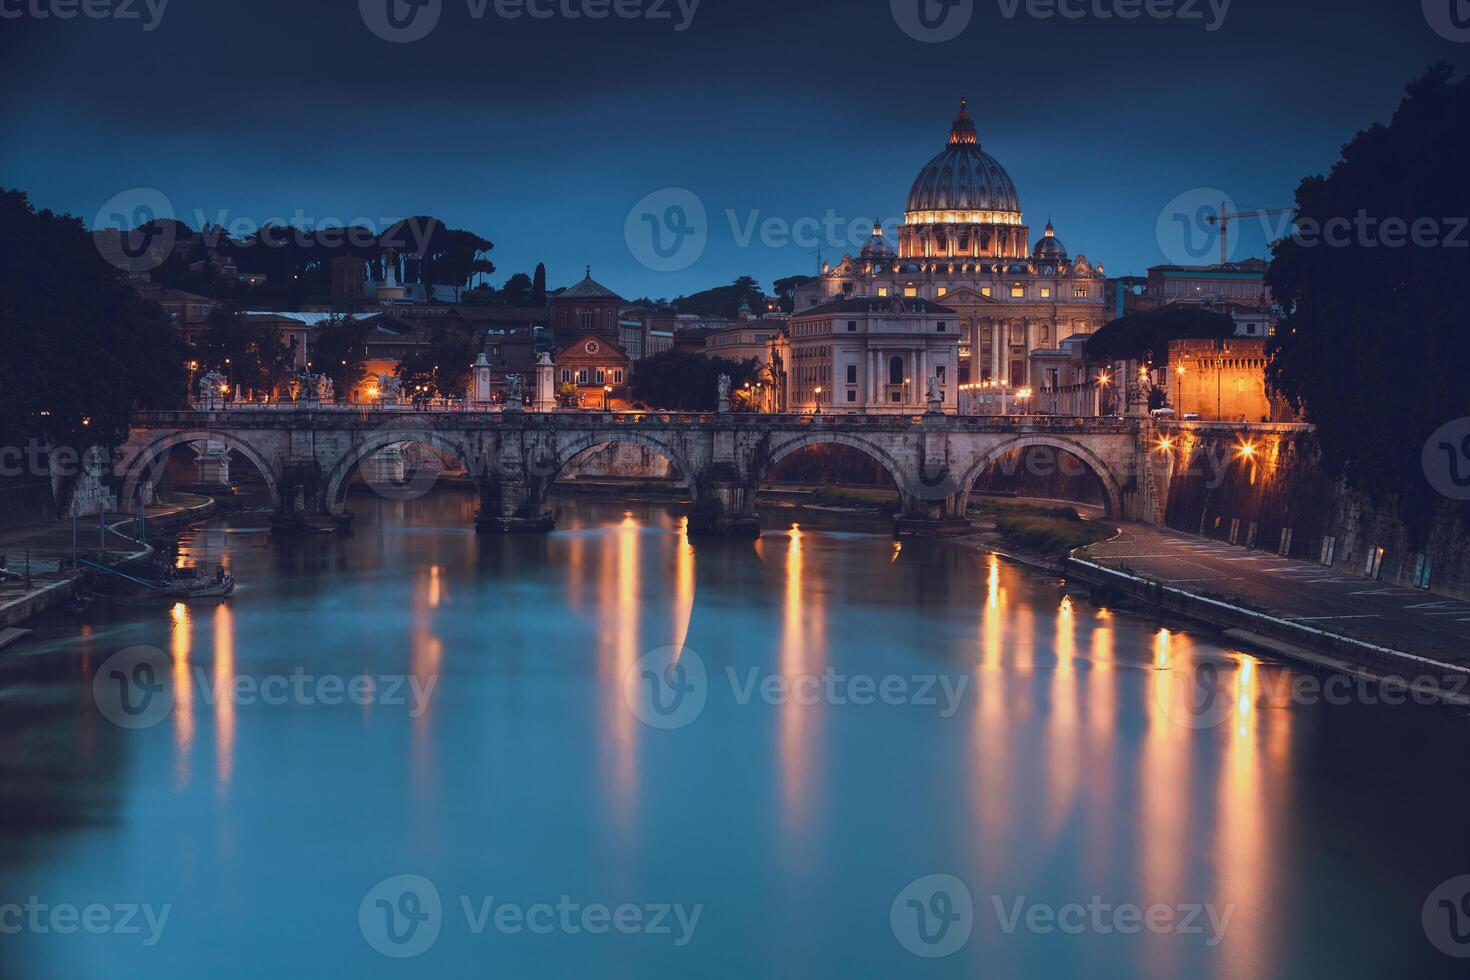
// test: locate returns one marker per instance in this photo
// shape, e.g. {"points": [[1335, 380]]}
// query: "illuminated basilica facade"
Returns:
{"points": [[963, 244]]}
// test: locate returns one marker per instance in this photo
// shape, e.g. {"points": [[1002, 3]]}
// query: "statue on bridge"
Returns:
{"points": [[935, 397], [390, 389], [514, 393], [325, 390], [212, 389], [722, 385]]}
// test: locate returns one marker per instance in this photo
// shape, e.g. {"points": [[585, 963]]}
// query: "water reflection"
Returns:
{"points": [[180, 641], [1067, 770]]}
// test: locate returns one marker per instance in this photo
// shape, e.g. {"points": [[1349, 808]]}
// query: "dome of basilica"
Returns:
{"points": [[1050, 248], [963, 177]]}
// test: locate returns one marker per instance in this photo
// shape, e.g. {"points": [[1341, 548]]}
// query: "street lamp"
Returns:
{"points": [[819, 400]]}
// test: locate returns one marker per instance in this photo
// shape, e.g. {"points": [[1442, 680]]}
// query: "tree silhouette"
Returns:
{"points": [[1372, 347]]}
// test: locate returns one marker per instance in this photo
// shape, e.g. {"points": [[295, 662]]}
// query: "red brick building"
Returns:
{"points": [[599, 368]]}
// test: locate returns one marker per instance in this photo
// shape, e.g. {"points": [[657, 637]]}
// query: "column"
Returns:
{"points": [[921, 376], [1000, 351]]}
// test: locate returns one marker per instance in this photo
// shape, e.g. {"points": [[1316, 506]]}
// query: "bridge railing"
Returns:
{"points": [[242, 414]]}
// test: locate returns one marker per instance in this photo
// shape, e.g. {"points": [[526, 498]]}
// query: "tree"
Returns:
{"points": [[680, 380], [437, 253], [1145, 335], [538, 286], [80, 351], [247, 352], [443, 366], [1372, 346], [786, 291], [517, 290], [340, 351], [724, 300]]}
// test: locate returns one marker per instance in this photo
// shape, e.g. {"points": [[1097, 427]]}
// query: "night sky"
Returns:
{"points": [[543, 134]]}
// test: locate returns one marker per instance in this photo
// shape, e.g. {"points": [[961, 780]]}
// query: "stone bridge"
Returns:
{"points": [[309, 456]]}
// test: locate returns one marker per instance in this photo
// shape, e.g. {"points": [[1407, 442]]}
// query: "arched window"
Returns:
{"points": [[895, 370]]}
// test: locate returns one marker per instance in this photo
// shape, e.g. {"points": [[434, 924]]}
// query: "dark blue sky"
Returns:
{"points": [[542, 134]]}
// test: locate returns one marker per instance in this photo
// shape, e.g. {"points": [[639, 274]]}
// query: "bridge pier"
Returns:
{"points": [[724, 504], [930, 516], [509, 506]]}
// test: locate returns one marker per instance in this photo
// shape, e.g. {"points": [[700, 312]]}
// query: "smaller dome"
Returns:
{"points": [[1050, 248], [876, 247]]}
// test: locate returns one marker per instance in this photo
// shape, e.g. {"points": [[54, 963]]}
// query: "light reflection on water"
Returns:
{"points": [[1069, 769]]}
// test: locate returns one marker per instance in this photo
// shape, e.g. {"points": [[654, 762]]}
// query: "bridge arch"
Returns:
{"points": [[159, 448], [342, 470], [1112, 491], [797, 443], [574, 447]]}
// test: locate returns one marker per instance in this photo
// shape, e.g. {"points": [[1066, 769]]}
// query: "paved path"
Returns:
{"points": [[50, 547], [1404, 619]]}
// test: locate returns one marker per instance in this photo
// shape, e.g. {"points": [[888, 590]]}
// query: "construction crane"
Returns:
{"points": [[1225, 217]]}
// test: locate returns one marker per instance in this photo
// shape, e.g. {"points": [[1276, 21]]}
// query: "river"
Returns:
{"points": [[606, 752]]}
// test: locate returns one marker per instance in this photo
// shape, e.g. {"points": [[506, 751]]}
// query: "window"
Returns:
{"points": [[910, 290], [1080, 292], [882, 290], [852, 394], [942, 290], [566, 374], [939, 327], [852, 326], [893, 397], [600, 377], [581, 376], [618, 377], [1046, 292], [587, 323], [1018, 291], [895, 371], [984, 290], [852, 374]]}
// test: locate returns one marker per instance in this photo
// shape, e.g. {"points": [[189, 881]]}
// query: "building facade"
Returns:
{"points": [[586, 307], [1224, 381], [964, 243], [599, 369], [866, 356]]}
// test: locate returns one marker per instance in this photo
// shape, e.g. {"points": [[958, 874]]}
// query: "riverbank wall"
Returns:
{"points": [[1277, 496]]}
